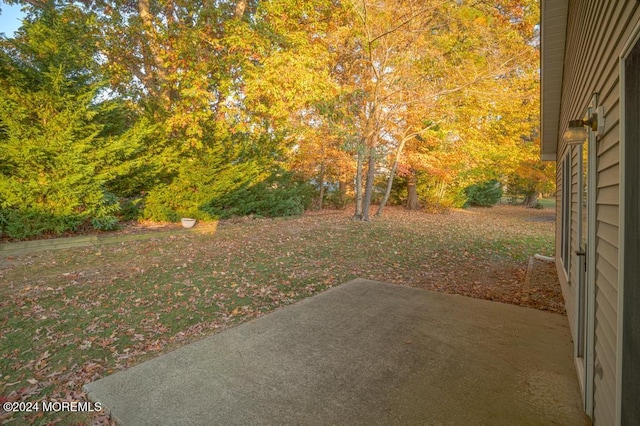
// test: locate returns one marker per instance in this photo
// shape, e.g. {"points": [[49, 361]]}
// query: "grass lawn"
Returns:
{"points": [[547, 203], [71, 316]]}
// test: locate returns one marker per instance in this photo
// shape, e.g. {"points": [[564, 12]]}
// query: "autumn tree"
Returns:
{"points": [[223, 78], [487, 105], [414, 64], [321, 157], [382, 49]]}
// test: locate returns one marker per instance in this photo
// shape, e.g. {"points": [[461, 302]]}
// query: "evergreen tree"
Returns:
{"points": [[62, 138]]}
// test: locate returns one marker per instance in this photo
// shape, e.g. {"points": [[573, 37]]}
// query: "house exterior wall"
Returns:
{"points": [[629, 347], [597, 31]]}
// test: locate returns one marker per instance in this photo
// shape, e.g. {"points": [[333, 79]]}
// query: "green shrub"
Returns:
{"points": [[131, 209], [484, 194], [103, 211], [399, 192], [537, 205], [157, 207], [106, 223], [198, 180], [279, 195], [335, 199], [21, 224], [27, 223]]}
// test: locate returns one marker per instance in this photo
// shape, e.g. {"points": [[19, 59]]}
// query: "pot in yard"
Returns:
{"points": [[188, 222]]}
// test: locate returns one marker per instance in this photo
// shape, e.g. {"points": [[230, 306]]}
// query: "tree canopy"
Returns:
{"points": [[120, 109]]}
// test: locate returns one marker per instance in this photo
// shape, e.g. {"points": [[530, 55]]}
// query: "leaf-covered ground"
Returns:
{"points": [[69, 317]]}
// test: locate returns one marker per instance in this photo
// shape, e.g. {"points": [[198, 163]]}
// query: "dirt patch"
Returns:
{"points": [[542, 287]]}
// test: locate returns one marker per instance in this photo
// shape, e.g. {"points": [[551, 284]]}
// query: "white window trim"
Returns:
{"points": [[565, 212]]}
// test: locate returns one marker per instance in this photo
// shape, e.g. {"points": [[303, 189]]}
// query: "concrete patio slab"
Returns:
{"points": [[362, 353]]}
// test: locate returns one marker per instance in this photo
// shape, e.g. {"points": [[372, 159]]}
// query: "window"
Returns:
{"points": [[565, 248]]}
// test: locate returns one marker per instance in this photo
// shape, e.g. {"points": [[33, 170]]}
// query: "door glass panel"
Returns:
{"points": [[585, 179], [581, 252]]}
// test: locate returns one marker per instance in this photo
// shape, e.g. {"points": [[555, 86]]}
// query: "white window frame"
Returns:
{"points": [[565, 211]]}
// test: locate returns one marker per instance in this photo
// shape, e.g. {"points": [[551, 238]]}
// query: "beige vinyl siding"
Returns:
{"points": [[607, 214], [608, 158], [596, 33], [603, 411], [607, 202]]}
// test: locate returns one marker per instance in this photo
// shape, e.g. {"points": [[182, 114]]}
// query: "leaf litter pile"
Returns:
{"points": [[69, 317]]}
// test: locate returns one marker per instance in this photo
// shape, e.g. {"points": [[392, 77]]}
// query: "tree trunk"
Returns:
{"points": [[387, 192], [412, 199], [358, 214], [239, 9], [368, 190], [392, 175], [531, 199], [342, 190], [155, 77], [322, 168]]}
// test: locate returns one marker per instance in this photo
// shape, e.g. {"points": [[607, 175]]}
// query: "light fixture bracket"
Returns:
{"points": [[597, 121], [576, 133]]}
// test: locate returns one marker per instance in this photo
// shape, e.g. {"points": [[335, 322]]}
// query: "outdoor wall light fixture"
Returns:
{"points": [[577, 134]]}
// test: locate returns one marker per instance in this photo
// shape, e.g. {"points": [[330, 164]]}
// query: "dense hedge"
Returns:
{"points": [[278, 195], [484, 194]]}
